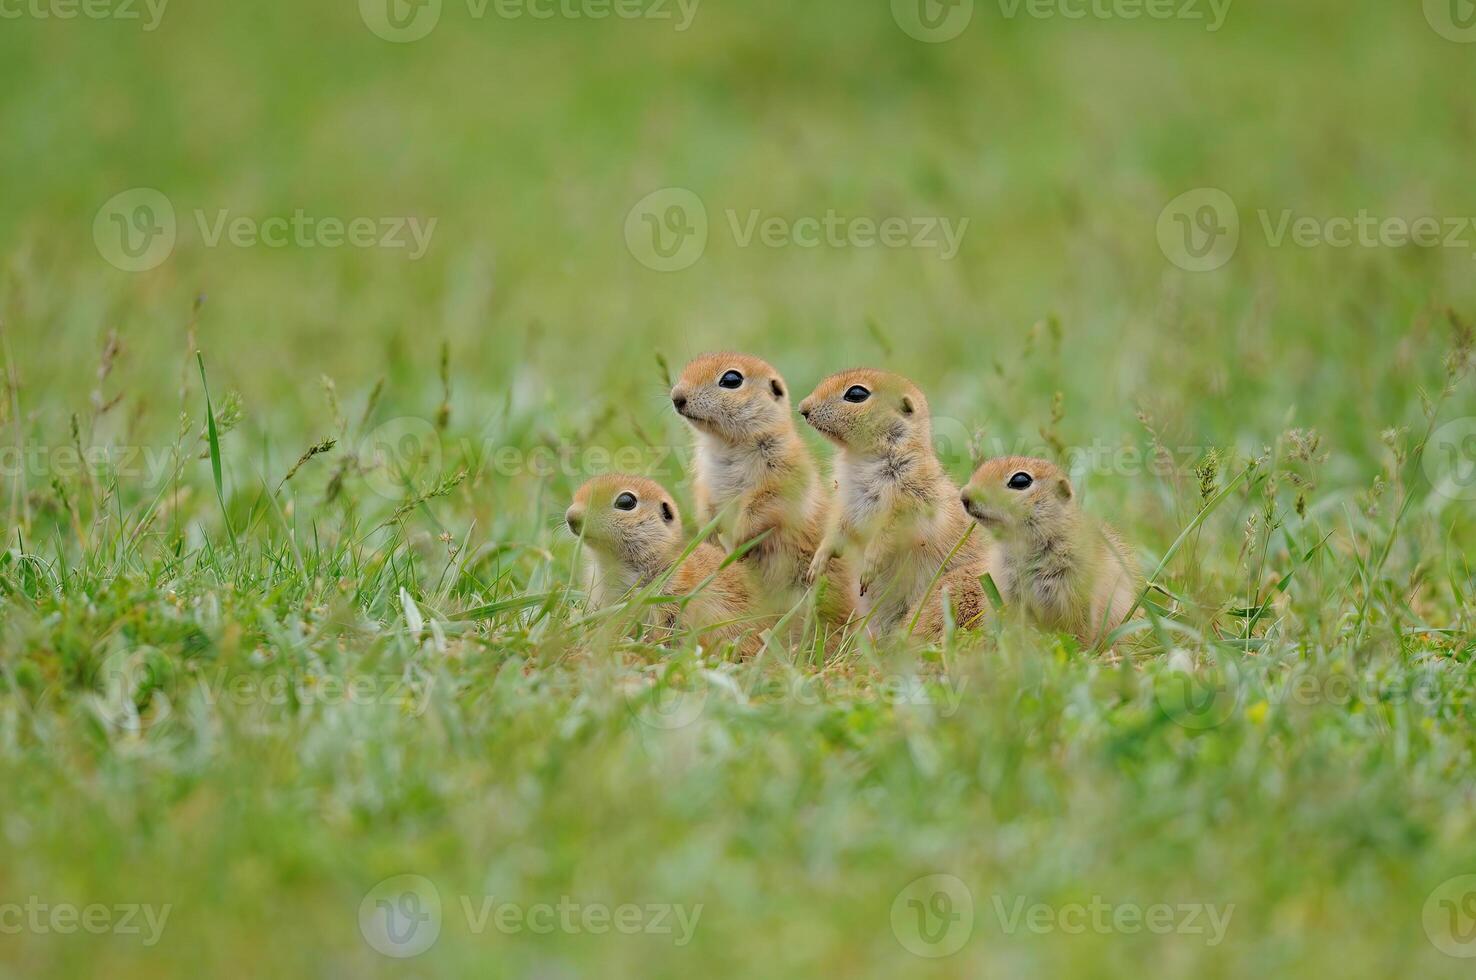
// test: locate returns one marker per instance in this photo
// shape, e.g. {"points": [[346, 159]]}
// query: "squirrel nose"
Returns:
{"points": [[574, 518], [680, 401], [965, 499], [805, 411]]}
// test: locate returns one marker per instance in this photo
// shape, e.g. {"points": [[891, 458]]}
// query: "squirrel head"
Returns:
{"points": [[868, 412], [735, 397], [1011, 494], [629, 519]]}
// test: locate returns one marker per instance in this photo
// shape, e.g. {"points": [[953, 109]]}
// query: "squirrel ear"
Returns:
{"points": [[1063, 487], [907, 407], [666, 512], [776, 387]]}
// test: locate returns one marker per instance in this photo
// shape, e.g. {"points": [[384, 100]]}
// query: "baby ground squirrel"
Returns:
{"points": [[1065, 569], [897, 513], [633, 535], [753, 468]]}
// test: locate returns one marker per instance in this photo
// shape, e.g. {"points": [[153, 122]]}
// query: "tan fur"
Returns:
{"points": [[965, 600], [897, 514], [753, 468], [1067, 570], [628, 550]]}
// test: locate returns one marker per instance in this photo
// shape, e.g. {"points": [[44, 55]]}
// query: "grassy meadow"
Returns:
{"points": [[313, 316]]}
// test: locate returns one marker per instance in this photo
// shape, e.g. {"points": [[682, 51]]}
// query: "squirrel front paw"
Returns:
{"points": [[817, 568], [871, 569]]}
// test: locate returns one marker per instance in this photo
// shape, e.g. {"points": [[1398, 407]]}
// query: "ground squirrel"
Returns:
{"points": [[1065, 569], [754, 470], [963, 592], [632, 532], [897, 514]]}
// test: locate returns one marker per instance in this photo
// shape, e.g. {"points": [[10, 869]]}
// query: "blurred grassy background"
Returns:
{"points": [[528, 142]]}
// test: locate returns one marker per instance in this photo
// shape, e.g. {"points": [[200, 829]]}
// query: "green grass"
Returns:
{"points": [[322, 626]]}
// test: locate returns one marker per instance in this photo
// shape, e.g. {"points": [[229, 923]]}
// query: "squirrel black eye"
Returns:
{"points": [[1020, 481], [730, 380], [626, 501], [856, 394]]}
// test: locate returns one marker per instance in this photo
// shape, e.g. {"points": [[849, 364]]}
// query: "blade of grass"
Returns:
{"points": [[927, 594], [501, 606], [214, 438]]}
